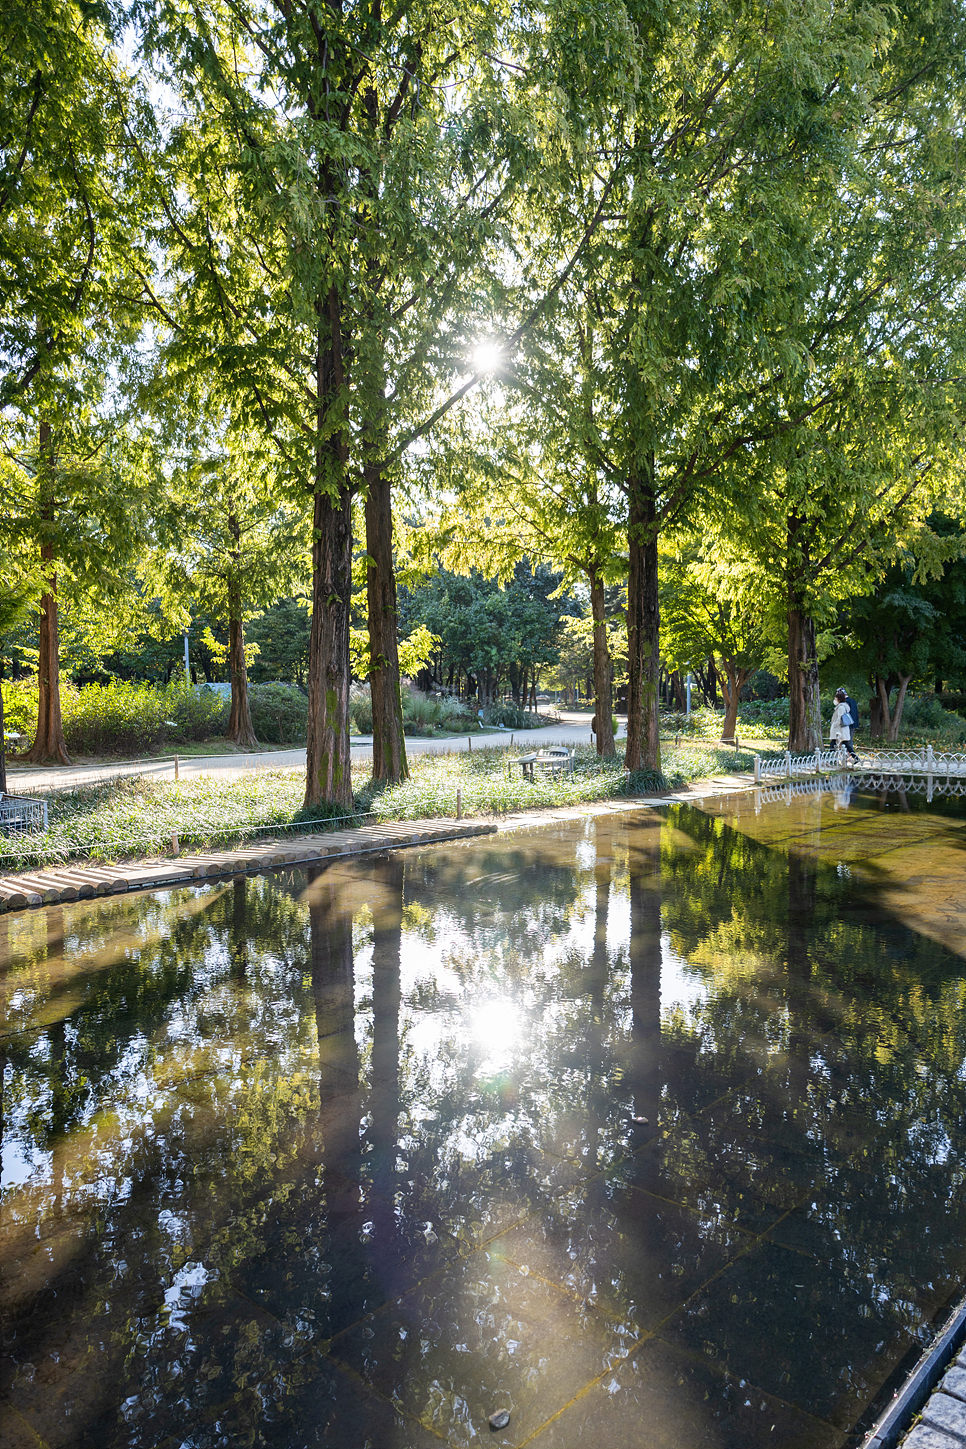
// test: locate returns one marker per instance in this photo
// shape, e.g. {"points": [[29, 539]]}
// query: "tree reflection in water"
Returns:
{"points": [[349, 1156]]}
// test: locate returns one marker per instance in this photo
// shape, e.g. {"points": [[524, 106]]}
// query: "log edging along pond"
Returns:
{"points": [[56, 885], [59, 884]]}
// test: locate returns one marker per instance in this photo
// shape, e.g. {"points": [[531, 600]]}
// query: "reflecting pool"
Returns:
{"points": [[647, 1127]]}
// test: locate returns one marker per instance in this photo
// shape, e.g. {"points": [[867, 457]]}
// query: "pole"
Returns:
{"points": [[687, 710], [187, 665]]}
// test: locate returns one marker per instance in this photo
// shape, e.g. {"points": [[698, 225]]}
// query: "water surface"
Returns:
{"points": [[354, 1156]]}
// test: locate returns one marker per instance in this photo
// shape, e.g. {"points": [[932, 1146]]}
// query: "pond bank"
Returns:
{"points": [[77, 880]]}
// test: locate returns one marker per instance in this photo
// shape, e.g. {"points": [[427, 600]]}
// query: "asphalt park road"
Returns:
{"points": [[573, 729]]}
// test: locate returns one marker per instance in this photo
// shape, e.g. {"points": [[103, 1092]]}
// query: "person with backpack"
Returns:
{"points": [[840, 730], [854, 712]]}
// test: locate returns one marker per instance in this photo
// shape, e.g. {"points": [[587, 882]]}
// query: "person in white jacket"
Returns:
{"points": [[840, 730]]}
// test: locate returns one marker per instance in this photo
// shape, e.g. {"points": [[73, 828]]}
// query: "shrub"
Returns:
{"points": [[20, 707], [511, 716], [702, 723], [926, 711], [195, 714], [454, 715], [280, 713], [131, 717], [124, 717], [772, 713]]}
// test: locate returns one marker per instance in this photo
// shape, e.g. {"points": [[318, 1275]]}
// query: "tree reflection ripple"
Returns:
{"points": [[643, 1125]]}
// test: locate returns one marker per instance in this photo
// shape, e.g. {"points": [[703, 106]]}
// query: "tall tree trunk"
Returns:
{"points": [[328, 772], [900, 701], [3, 748], [240, 727], [884, 688], [602, 673], [643, 626], [49, 745], [804, 705], [388, 740], [733, 679]]}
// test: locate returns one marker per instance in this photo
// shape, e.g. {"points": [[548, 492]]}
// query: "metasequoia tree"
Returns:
{"points": [[333, 199], [708, 612], [854, 453], [531, 477], [226, 544], [69, 188], [912, 629], [740, 137], [79, 514]]}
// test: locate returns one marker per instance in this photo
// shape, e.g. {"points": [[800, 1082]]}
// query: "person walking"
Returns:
{"points": [[854, 712], [840, 730]]}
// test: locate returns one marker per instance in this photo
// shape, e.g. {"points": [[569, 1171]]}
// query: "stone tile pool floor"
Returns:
{"points": [[648, 1128]]}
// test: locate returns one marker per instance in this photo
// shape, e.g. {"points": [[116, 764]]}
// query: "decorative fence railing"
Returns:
{"points": [[847, 783], [19, 814], [925, 762], [788, 766]]}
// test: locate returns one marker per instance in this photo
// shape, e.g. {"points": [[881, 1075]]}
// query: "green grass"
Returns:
{"points": [[126, 818]]}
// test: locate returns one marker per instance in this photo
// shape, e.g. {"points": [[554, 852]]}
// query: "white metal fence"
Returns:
{"points": [[788, 766], [18, 814], [925, 762]]}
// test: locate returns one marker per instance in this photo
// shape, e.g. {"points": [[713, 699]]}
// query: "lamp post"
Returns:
{"points": [[687, 687], [187, 665]]}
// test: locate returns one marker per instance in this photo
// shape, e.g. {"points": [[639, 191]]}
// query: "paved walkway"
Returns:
{"points": [[943, 1422], [573, 729]]}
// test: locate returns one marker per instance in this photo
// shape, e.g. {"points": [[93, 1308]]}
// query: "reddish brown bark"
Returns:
{"points": [[388, 741], [804, 716], [240, 727], [328, 776], [602, 670], [49, 746], [643, 626], [732, 681], [804, 707], [883, 720]]}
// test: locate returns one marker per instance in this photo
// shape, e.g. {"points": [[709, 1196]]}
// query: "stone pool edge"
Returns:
{"points": [[929, 1410], [82, 880]]}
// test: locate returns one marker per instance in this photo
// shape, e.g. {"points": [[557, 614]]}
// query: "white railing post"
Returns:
{"points": [[788, 764], [758, 769], [818, 759]]}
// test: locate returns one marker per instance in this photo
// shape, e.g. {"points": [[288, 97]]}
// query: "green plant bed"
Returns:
{"points": [[137, 817], [491, 782]]}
